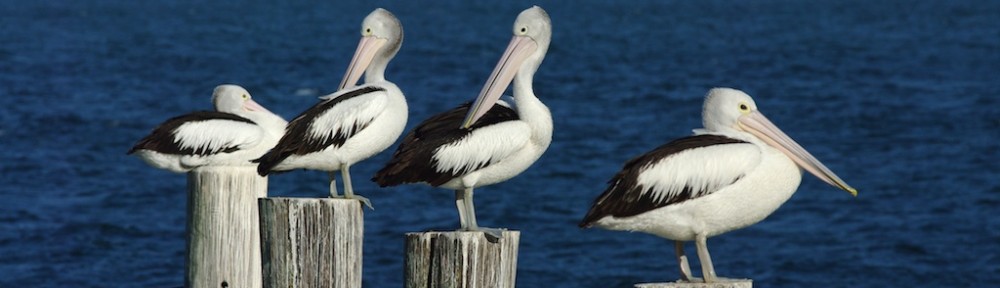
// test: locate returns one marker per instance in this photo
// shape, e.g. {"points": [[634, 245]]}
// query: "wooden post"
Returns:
{"points": [[311, 242], [223, 239], [460, 259], [722, 283]]}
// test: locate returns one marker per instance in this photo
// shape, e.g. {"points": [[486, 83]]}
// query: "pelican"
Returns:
{"points": [[729, 175], [353, 123], [481, 144], [238, 131]]}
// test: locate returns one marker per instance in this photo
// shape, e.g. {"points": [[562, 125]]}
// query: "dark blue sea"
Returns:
{"points": [[900, 98]]}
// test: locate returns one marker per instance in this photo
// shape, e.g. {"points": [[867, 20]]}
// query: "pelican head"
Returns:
{"points": [[234, 99], [381, 37], [731, 110], [532, 34]]}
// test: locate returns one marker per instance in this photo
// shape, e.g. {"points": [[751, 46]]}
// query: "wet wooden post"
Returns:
{"points": [[722, 283], [460, 259], [223, 239], [311, 242]]}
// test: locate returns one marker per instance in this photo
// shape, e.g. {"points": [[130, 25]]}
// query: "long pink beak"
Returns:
{"points": [[760, 126], [517, 51], [363, 56], [251, 105]]}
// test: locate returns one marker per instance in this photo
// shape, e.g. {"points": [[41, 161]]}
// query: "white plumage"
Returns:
{"points": [[702, 169], [369, 124], [238, 131], [353, 123], [760, 180], [484, 146], [349, 114], [733, 173], [493, 141], [209, 136]]}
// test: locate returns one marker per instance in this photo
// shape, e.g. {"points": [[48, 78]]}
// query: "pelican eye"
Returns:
{"points": [[245, 96], [368, 31], [744, 108], [524, 30]]}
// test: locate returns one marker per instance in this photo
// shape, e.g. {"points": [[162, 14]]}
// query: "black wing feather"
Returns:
{"points": [[296, 140], [625, 197], [162, 138], [413, 161]]}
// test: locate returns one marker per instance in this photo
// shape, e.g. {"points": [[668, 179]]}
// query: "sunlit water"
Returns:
{"points": [[900, 98]]}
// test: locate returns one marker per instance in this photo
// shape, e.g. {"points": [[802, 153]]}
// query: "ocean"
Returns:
{"points": [[899, 98]]}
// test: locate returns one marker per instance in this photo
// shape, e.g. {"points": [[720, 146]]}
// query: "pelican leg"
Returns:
{"points": [[492, 234], [345, 174], [333, 184], [460, 203], [470, 209], [682, 261], [707, 270]]}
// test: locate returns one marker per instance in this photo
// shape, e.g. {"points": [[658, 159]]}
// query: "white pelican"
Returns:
{"points": [[238, 131], [354, 123], [465, 148], [729, 175]]}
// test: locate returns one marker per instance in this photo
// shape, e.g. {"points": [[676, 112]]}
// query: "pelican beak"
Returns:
{"points": [[517, 51], [251, 105], [367, 48], [758, 125]]}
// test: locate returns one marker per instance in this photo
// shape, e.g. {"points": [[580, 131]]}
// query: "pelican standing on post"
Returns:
{"points": [[733, 173], [239, 130], [480, 144], [354, 123]]}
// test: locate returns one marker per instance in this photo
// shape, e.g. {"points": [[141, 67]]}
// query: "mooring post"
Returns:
{"points": [[460, 259], [722, 283], [311, 242], [223, 239]]}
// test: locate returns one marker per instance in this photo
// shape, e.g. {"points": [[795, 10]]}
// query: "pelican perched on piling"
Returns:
{"points": [[239, 130], [354, 123], [480, 144], [733, 173]]}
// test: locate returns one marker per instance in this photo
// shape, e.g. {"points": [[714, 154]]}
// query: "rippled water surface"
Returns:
{"points": [[900, 98]]}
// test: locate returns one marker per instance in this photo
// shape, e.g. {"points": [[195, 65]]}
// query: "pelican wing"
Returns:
{"points": [[481, 148], [342, 115], [681, 170], [433, 151], [201, 133], [330, 122]]}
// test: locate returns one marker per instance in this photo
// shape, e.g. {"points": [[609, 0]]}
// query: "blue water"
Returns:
{"points": [[900, 98]]}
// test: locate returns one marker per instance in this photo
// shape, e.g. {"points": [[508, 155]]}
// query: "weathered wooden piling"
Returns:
{"points": [[460, 259], [311, 242], [223, 239], [722, 283]]}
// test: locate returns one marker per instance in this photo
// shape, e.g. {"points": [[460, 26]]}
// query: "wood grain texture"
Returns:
{"points": [[460, 259], [223, 239], [311, 242]]}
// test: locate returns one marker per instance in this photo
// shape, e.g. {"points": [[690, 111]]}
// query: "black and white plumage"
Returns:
{"points": [[354, 123], [410, 162], [488, 141], [628, 196], [733, 173], [238, 131]]}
